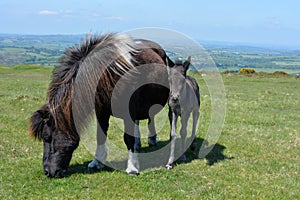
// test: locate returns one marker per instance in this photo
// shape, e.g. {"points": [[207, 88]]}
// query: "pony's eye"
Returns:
{"points": [[47, 138], [47, 135]]}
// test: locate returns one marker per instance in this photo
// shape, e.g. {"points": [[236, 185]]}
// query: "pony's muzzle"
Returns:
{"points": [[58, 173]]}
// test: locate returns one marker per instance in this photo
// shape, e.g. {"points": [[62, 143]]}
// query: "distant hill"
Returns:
{"points": [[34, 49], [46, 49]]}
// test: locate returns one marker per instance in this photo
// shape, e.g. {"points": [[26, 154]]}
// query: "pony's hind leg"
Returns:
{"points": [[129, 139], [137, 141], [152, 137], [193, 137]]}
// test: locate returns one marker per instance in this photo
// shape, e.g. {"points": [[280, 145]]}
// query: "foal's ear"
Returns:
{"points": [[169, 62], [38, 121], [187, 63]]}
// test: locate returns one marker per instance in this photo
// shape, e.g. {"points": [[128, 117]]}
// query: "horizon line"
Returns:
{"points": [[201, 41]]}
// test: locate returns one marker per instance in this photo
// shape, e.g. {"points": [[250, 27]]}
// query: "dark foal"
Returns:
{"points": [[184, 99]]}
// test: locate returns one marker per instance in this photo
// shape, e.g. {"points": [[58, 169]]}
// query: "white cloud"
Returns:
{"points": [[274, 22], [117, 18], [47, 12]]}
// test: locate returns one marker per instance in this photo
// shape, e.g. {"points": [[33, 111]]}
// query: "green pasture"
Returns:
{"points": [[256, 157]]}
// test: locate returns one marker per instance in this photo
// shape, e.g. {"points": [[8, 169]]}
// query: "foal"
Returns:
{"points": [[184, 98]]}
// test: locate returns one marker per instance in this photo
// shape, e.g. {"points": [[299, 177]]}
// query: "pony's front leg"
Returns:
{"points": [[173, 119], [137, 135], [129, 139], [100, 157], [101, 150], [183, 134]]}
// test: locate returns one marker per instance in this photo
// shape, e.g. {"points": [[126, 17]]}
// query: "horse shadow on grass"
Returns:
{"points": [[212, 154]]}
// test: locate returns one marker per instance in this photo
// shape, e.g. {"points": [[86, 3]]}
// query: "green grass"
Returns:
{"points": [[256, 157]]}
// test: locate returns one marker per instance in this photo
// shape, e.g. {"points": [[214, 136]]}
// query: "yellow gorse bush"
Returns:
{"points": [[247, 71]]}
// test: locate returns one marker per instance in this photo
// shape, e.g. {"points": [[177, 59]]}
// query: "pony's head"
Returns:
{"points": [[177, 76], [58, 146]]}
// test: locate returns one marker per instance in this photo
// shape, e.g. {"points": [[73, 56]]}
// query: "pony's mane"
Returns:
{"points": [[38, 120], [90, 59]]}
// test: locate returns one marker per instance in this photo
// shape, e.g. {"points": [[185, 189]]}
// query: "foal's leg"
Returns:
{"points": [[170, 115], [101, 150], [183, 134], [129, 139], [193, 137], [152, 137], [173, 120]]}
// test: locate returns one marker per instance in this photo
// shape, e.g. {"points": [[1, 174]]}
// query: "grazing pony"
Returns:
{"points": [[90, 73], [184, 99]]}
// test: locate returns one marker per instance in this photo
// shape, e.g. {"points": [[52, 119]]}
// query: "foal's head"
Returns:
{"points": [[177, 81]]}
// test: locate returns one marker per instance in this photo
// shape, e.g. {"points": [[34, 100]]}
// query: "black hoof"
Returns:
{"points": [[137, 147], [193, 145], [91, 170], [152, 141]]}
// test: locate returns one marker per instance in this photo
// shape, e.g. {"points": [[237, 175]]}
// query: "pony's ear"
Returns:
{"points": [[187, 63], [38, 121]]}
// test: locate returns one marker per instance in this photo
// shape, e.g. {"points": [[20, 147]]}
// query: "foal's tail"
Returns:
{"points": [[75, 80]]}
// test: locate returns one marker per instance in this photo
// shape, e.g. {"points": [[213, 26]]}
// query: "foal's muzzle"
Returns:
{"points": [[174, 98], [175, 105]]}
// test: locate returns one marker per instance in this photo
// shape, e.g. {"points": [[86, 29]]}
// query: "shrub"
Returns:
{"points": [[280, 73], [247, 71], [229, 72]]}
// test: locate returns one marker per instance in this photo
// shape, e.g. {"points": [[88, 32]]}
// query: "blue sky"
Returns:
{"points": [[253, 21]]}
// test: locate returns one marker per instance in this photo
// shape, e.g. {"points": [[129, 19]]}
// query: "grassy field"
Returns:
{"points": [[256, 157]]}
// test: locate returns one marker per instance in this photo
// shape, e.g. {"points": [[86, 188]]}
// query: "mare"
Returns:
{"points": [[184, 99], [88, 79]]}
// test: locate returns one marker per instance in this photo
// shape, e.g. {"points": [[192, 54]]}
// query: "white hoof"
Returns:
{"points": [[132, 172], [169, 167], [95, 164], [133, 163]]}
